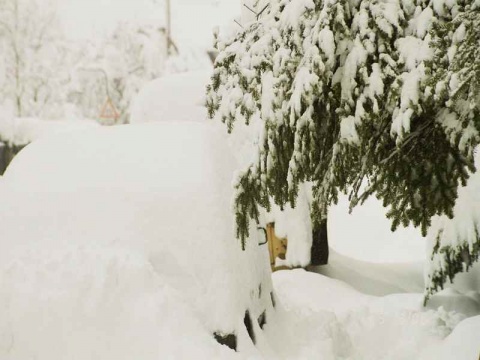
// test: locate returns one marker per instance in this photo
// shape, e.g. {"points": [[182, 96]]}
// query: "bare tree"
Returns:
{"points": [[29, 35]]}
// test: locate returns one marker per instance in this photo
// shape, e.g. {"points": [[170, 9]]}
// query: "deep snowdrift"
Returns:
{"points": [[405, 280], [369, 327], [119, 243]]}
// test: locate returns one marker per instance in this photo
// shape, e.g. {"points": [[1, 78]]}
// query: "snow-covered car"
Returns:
{"points": [[119, 243], [177, 97]]}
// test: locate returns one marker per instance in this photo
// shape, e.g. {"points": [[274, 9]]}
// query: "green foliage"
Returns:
{"points": [[456, 259], [456, 71], [366, 97]]}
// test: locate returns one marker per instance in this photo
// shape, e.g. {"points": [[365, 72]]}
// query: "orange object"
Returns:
{"points": [[109, 111], [277, 247]]}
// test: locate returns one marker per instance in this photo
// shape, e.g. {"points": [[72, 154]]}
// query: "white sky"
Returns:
{"points": [[192, 20]]}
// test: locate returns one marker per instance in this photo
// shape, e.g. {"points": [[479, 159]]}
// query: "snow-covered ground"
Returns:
{"points": [[119, 260], [334, 321], [129, 254], [367, 228]]}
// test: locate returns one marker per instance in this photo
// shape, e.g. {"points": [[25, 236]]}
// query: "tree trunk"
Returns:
{"points": [[319, 252]]}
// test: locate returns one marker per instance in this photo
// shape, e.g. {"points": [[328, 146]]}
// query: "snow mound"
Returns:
{"points": [[94, 303], [130, 239], [352, 325], [462, 343], [403, 283], [179, 97]]}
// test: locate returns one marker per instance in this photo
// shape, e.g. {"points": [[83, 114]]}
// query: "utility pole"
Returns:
{"points": [[169, 26]]}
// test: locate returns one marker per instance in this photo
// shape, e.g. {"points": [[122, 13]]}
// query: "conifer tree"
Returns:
{"points": [[455, 244], [367, 97]]}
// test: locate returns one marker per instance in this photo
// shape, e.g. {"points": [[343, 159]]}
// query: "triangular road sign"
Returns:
{"points": [[109, 111]]}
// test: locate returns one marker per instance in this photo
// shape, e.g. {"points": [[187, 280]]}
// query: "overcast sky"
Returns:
{"points": [[192, 20]]}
